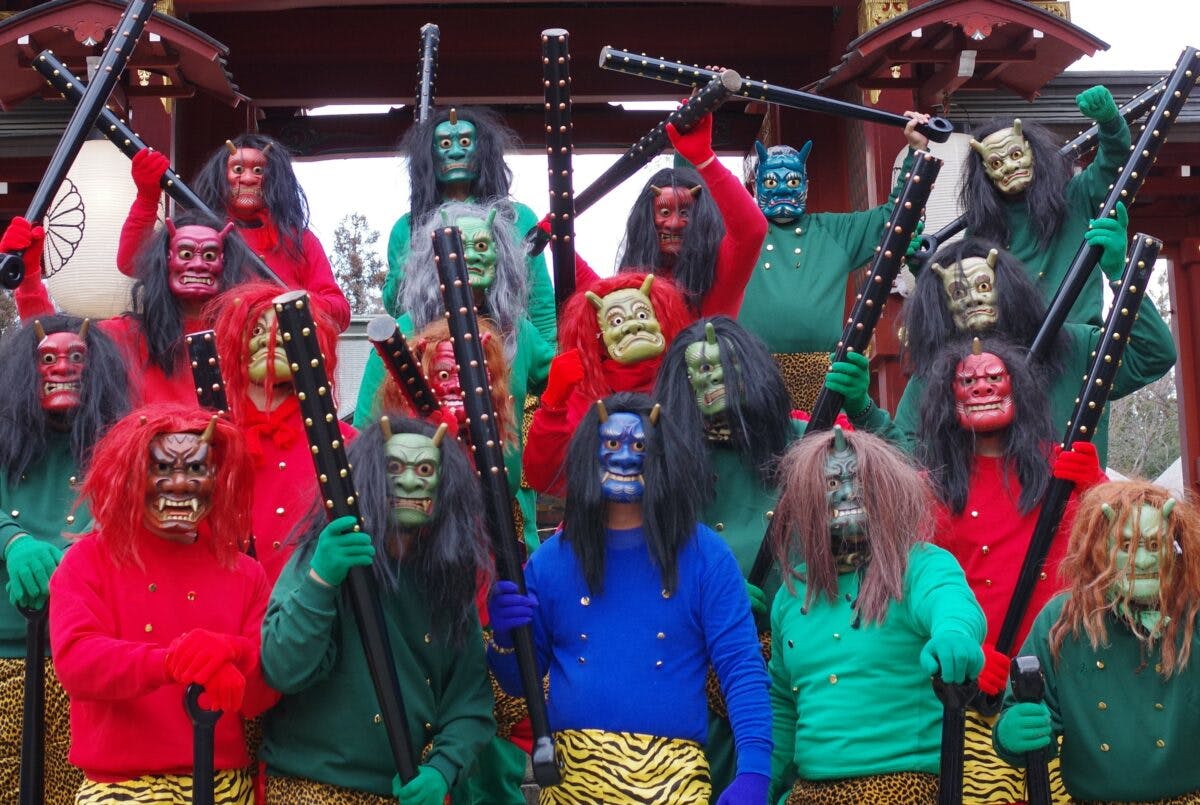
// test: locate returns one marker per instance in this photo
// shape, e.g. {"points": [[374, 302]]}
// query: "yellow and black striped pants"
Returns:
{"points": [[625, 768], [233, 787]]}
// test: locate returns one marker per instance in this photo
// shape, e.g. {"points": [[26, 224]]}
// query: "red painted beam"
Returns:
{"points": [[1185, 299]]}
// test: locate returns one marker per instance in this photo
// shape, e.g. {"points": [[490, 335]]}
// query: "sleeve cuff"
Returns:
{"points": [[316, 596]]}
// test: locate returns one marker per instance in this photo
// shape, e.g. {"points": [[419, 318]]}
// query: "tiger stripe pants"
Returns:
{"points": [[625, 768]]}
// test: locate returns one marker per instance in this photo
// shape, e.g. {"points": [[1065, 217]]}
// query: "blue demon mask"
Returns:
{"points": [[781, 182], [621, 456]]}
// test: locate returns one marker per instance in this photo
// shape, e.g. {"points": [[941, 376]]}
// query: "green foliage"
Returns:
{"points": [[1143, 428], [357, 265]]}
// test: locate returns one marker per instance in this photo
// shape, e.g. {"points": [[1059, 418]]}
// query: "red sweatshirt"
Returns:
{"points": [[990, 539], [110, 627], [311, 271], [745, 230], [285, 480], [552, 427]]}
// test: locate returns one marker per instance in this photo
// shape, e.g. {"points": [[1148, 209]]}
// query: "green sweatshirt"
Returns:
{"points": [[1127, 733], [1085, 192], [327, 726], [541, 291], [809, 259], [853, 702], [41, 505], [1149, 355]]}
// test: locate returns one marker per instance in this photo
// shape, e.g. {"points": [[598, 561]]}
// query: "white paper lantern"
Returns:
{"points": [[83, 228]]}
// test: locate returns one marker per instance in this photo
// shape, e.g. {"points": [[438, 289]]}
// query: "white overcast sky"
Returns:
{"points": [[1142, 35]]}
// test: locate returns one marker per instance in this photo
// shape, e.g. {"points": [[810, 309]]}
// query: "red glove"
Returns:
{"points": [[224, 690], [1080, 465], [566, 371], [197, 655], [148, 169], [21, 237], [696, 145], [544, 224], [994, 676]]}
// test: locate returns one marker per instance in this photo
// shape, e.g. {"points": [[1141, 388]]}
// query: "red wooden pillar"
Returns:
{"points": [[1185, 296]]}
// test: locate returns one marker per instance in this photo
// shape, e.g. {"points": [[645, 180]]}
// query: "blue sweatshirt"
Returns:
{"points": [[633, 659]]}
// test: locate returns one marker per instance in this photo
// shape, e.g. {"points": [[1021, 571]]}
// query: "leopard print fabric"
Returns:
{"points": [[62, 779], [231, 787], [803, 375], [712, 686], [301, 791], [507, 710], [898, 788], [298, 791]]}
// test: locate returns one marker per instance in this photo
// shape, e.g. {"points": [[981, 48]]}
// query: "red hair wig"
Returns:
{"points": [[424, 347], [235, 313], [579, 329], [115, 484]]}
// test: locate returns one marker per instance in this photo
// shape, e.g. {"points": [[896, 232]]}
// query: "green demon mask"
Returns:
{"points": [[971, 292], [454, 151], [414, 467], [706, 374], [627, 322], [1140, 558], [479, 250], [843, 493], [1007, 159]]}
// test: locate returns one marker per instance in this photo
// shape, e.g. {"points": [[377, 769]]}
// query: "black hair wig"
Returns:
{"points": [[757, 406], [674, 491], [948, 450], [449, 556], [151, 302], [103, 399], [492, 139], [929, 325], [1045, 197], [695, 267], [282, 194]]}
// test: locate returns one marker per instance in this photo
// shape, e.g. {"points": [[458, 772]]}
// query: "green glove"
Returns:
{"points": [[427, 788], [30, 565], [1098, 104], [339, 548], [758, 599], [1024, 727], [959, 657], [1111, 235], [850, 378], [914, 243]]}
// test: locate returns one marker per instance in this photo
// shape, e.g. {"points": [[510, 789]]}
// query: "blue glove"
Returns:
{"points": [[1111, 235], [959, 657], [339, 548], [1024, 727], [427, 788], [851, 378], [30, 565], [1098, 104], [508, 610], [746, 789], [758, 599]]}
